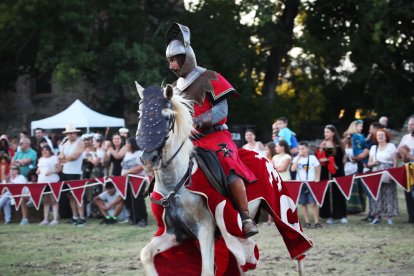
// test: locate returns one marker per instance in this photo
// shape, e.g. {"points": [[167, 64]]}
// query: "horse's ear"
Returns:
{"points": [[140, 90], [168, 91]]}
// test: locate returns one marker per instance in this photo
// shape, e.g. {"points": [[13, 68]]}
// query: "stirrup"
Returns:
{"points": [[250, 224]]}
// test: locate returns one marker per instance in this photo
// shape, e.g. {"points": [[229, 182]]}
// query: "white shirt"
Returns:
{"points": [[75, 166], [384, 155], [47, 164], [303, 172], [408, 140]]}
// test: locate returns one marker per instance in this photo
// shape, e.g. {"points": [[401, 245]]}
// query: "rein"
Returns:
{"points": [[166, 200], [166, 164]]}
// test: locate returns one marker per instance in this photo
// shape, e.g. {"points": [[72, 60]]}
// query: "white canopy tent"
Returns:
{"points": [[79, 115]]}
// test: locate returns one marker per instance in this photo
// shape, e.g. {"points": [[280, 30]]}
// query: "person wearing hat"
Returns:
{"points": [[209, 91], [124, 132], [71, 160]]}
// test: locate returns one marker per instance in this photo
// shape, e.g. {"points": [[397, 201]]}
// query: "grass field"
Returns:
{"points": [[353, 249]]}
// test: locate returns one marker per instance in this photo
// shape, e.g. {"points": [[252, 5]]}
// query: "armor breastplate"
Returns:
{"points": [[186, 81]]}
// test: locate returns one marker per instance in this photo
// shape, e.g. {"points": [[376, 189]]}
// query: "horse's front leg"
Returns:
{"points": [[206, 239], [156, 245]]}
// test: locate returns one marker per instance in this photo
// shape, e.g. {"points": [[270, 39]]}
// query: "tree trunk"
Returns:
{"points": [[277, 52]]}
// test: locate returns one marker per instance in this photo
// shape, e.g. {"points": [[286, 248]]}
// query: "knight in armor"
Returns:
{"points": [[209, 91]]}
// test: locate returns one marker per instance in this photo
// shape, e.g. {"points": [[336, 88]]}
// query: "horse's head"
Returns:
{"points": [[165, 125]]}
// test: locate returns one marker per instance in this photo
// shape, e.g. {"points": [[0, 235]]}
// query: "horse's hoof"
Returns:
{"points": [[249, 228]]}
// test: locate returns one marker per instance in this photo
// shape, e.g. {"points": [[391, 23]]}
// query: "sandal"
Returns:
{"points": [[307, 225], [318, 225]]}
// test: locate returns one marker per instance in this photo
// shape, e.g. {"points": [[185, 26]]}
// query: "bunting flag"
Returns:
{"points": [[294, 188], [120, 183], [56, 188], [371, 180], [36, 191], [399, 176], [77, 188], [318, 190], [345, 185], [373, 183], [16, 191], [137, 183]]}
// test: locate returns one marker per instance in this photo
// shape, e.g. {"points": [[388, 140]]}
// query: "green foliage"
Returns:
{"points": [[113, 43]]}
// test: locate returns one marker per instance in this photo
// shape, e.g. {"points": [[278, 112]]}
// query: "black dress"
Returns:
{"points": [[116, 166], [334, 204]]}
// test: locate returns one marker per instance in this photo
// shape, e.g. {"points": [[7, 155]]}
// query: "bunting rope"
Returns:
{"points": [[77, 187], [371, 180]]}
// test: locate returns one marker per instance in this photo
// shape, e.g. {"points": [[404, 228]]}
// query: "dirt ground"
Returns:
{"points": [[353, 249]]}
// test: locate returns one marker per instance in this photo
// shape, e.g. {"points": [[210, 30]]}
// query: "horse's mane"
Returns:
{"points": [[182, 109]]}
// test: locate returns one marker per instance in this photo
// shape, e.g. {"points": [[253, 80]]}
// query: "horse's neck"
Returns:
{"points": [[167, 178]]}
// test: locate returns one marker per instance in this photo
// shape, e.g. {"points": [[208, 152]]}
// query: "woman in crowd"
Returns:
{"points": [[384, 156], [356, 203], [331, 154], [270, 150], [115, 154], [252, 144], [282, 160], [87, 154], [96, 159], [5, 147], [131, 164], [47, 170]]}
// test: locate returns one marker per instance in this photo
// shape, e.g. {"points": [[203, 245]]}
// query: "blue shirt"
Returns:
{"points": [[358, 145], [30, 153], [287, 135]]}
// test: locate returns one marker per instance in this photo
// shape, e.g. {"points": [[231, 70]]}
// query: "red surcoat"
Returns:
{"points": [[220, 141]]}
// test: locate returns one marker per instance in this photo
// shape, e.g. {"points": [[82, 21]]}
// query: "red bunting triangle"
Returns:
{"points": [[293, 188], [36, 191], [56, 189], [120, 184], [345, 185], [77, 188], [318, 190], [399, 175], [16, 191], [373, 183], [136, 184]]}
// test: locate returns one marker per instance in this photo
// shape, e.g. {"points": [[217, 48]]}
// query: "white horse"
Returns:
{"points": [[164, 132]]}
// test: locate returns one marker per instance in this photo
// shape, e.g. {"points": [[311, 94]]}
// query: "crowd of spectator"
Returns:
{"points": [[339, 156], [70, 156], [67, 157]]}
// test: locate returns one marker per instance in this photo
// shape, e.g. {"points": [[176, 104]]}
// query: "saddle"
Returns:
{"points": [[211, 167]]}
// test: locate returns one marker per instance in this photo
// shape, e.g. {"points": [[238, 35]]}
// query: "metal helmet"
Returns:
{"points": [[178, 43]]}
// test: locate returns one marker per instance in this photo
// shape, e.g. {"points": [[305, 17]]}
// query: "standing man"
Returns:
{"points": [[40, 135], [406, 151], [71, 158], [25, 158], [209, 91]]}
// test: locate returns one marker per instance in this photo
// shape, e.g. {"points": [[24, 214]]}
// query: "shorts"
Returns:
{"points": [[306, 196]]}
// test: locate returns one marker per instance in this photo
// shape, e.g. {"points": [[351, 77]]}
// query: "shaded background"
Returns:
{"points": [[315, 62]]}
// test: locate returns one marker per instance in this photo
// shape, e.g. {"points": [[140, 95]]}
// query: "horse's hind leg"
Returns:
{"points": [[206, 239], [156, 245]]}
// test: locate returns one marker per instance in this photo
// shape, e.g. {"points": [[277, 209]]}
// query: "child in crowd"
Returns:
{"points": [[307, 168], [111, 205], [286, 134]]}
